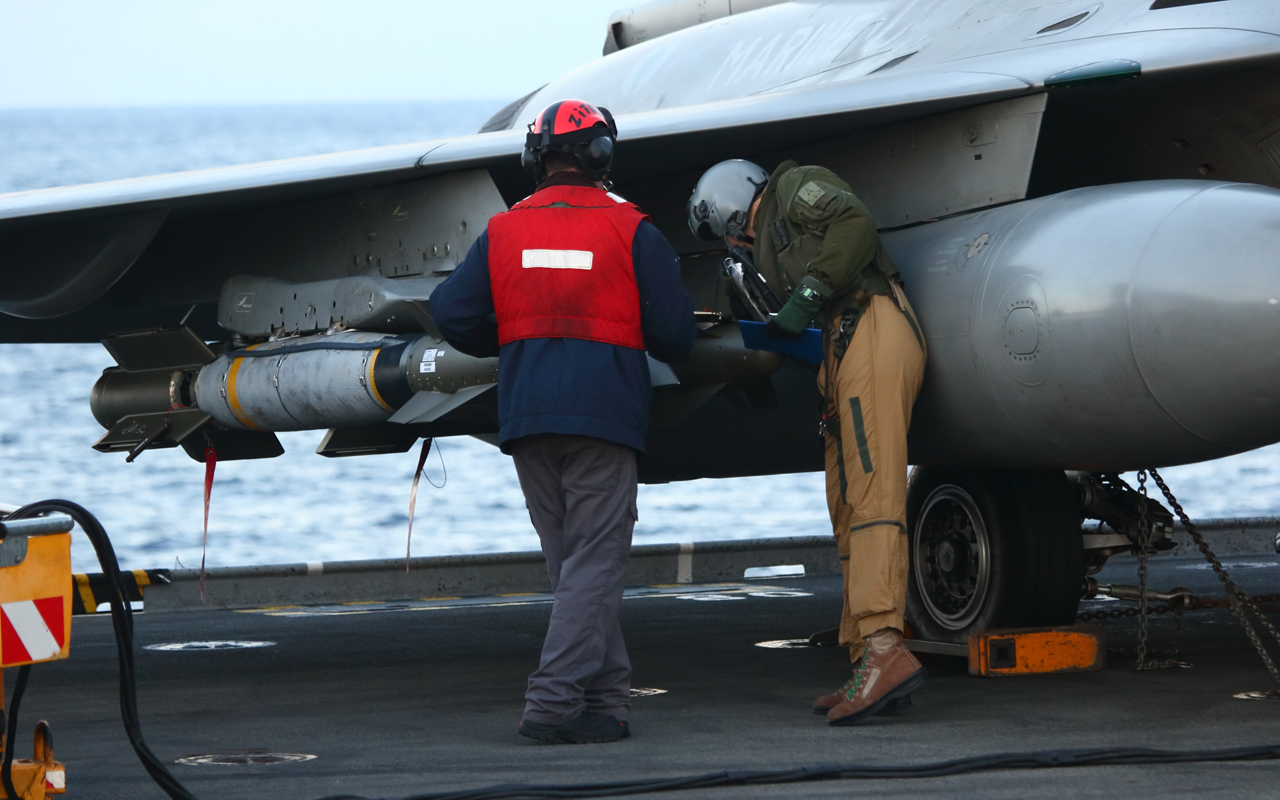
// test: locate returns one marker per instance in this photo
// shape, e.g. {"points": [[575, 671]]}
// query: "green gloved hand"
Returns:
{"points": [[799, 310]]}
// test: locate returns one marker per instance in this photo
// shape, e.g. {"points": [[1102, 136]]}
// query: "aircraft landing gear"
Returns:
{"points": [[991, 548]]}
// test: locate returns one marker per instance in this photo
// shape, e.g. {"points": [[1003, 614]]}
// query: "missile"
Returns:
{"points": [[1106, 329], [348, 380], [376, 392], [345, 379]]}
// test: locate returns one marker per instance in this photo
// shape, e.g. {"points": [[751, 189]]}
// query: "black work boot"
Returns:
{"points": [[586, 728]]}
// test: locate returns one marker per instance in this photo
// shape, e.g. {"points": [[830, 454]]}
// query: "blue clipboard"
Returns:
{"points": [[806, 347]]}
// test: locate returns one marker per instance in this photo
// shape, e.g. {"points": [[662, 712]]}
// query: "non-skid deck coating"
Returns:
{"points": [[393, 701]]}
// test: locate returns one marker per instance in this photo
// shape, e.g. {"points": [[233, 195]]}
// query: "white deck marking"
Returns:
{"points": [[684, 564], [673, 591]]}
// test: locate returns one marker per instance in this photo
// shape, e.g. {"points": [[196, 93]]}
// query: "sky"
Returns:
{"points": [[125, 53]]}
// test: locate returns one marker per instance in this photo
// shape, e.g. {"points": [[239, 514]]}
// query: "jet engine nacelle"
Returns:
{"points": [[640, 23], [1104, 329]]}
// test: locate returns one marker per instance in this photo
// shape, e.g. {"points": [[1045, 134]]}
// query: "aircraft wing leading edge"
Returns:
{"points": [[44, 278], [246, 186]]}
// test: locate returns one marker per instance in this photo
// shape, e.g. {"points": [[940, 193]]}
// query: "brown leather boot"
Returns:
{"points": [[829, 701], [888, 672]]}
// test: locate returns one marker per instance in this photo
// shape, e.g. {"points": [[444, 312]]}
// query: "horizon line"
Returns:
{"points": [[253, 104]]}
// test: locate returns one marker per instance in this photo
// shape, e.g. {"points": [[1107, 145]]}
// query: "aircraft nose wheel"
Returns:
{"points": [[953, 561], [991, 548]]}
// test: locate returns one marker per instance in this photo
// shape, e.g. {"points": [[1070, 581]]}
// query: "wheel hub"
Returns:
{"points": [[947, 557], [952, 557]]}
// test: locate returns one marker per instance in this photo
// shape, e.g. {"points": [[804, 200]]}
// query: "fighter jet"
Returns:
{"points": [[1082, 197]]}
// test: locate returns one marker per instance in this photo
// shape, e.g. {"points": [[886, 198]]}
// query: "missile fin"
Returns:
{"points": [[158, 348], [233, 445], [132, 430], [365, 440], [430, 406], [673, 406], [660, 374]]}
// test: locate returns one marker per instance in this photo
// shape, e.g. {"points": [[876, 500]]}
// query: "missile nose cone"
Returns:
{"points": [[1204, 315]]}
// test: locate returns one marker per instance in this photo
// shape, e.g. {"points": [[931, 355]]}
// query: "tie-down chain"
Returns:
{"points": [[1179, 601]]}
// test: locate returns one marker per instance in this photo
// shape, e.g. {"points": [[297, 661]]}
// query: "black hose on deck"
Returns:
{"points": [[11, 730], [1112, 756], [122, 620]]}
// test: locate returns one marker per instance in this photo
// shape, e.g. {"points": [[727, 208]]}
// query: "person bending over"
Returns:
{"points": [[816, 244]]}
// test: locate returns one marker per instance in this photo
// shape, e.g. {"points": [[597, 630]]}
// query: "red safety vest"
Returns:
{"points": [[560, 267]]}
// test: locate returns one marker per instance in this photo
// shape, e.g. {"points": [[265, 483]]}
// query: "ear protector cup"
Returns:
{"points": [[531, 161], [597, 155]]}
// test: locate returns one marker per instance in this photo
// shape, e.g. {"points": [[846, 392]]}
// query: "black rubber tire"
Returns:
{"points": [[1036, 554]]}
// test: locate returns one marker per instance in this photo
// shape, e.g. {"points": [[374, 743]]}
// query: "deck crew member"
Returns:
{"points": [[816, 244], [569, 288]]}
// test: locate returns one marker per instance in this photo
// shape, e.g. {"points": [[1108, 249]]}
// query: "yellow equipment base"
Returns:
{"points": [[1037, 651], [37, 778]]}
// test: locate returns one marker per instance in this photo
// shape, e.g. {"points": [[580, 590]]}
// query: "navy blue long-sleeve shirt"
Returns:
{"points": [[572, 386]]}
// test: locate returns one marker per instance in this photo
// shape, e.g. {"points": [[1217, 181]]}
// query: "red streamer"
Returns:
{"points": [[413, 498], [210, 462]]}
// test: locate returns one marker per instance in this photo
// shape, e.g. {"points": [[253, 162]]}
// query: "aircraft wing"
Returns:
{"points": [[64, 249], [806, 110], [271, 183]]}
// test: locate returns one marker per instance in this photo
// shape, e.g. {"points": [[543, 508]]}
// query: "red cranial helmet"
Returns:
{"points": [[580, 132]]}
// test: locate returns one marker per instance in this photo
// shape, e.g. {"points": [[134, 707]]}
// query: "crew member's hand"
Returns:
{"points": [[798, 311], [774, 329]]}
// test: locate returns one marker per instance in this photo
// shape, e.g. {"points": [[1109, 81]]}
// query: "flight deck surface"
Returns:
{"points": [[394, 701]]}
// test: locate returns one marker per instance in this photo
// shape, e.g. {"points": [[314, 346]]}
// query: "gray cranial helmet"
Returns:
{"points": [[724, 194]]}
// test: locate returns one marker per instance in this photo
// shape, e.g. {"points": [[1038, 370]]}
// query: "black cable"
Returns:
{"points": [[752, 276], [310, 346], [1047, 759], [122, 620], [11, 730]]}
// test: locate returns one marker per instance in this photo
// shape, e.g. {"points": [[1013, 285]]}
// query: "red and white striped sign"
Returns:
{"points": [[31, 630]]}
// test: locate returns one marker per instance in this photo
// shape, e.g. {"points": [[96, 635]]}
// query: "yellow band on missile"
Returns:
{"points": [[373, 387], [233, 399]]}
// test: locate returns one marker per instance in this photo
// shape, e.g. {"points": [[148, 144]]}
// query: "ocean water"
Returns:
{"points": [[42, 148], [301, 507]]}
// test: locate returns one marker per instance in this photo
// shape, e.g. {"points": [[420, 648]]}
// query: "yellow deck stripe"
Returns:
{"points": [[141, 577], [232, 399], [86, 594]]}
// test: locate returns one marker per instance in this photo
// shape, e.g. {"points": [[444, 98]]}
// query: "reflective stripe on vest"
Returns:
{"points": [[560, 268]]}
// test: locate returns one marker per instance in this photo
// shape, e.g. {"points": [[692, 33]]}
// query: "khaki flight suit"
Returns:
{"points": [[810, 223]]}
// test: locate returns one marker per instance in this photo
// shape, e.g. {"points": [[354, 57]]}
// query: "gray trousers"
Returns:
{"points": [[581, 496]]}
